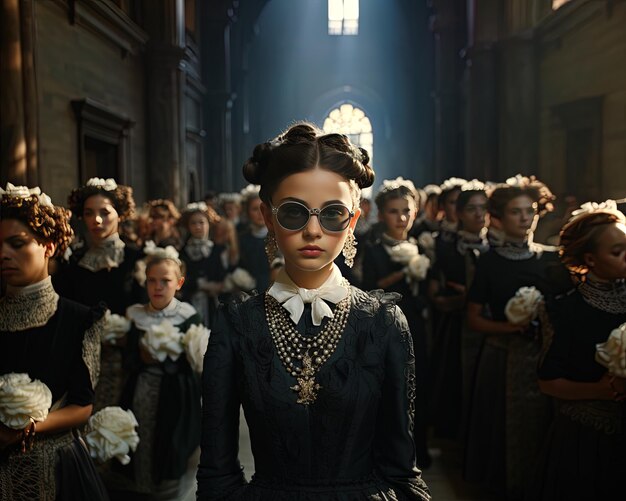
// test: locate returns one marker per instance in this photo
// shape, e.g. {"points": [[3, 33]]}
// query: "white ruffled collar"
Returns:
{"points": [[107, 254], [13, 290], [28, 307], [293, 298], [145, 315]]}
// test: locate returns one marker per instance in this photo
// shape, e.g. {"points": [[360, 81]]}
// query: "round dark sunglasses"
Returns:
{"points": [[294, 216]]}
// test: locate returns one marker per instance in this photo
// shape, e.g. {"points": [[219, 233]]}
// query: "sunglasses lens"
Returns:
{"points": [[292, 216], [335, 217]]}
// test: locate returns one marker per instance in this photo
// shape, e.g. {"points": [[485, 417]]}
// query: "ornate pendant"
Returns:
{"points": [[307, 387]]}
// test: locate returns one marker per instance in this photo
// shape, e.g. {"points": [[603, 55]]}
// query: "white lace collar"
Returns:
{"points": [[107, 254], [198, 248], [144, 315], [28, 307]]}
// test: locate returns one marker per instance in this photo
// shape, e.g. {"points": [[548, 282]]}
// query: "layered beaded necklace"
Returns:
{"points": [[303, 356]]}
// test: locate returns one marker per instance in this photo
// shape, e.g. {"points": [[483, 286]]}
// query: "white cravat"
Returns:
{"points": [[292, 297]]}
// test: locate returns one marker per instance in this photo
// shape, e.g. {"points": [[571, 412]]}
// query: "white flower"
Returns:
{"points": [[162, 341], [426, 241], [612, 353], [432, 189], [229, 197], [591, 207], [195, 341], [452, 182], [168, 252], [239, 279], [403, 252], [418, 267], [250, 191], [394, 184], [22, 399], [140, 272], [67, 254], [522, 308], [115, 327], [111, 433], [473, 185], [196, 206], [106, 184], [517, 180], [25, 192]]}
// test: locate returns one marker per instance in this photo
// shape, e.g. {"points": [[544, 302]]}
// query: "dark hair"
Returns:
{"points": [[581, 235], [168, 205], [121, 198], [301, 148], [504, 193], [465, 196], [401, 191], [47, 223]]}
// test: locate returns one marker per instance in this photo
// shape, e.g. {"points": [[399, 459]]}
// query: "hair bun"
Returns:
{"points": [[256, 165], [299, 133]]}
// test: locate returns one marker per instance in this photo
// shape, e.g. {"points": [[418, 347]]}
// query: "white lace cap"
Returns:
{"points": [[106, 184], [25, 192], [609, 206], [196, 206], [452, 183], [394, 184], [250, 191]]}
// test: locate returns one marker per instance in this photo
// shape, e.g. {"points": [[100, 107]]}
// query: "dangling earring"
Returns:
{"points": [[349, 249], [270, 247]]}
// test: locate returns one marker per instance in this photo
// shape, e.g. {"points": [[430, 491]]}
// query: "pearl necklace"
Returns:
{"points": [[303, 356]]}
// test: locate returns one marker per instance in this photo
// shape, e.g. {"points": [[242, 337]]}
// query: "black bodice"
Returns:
{"points": [[359, 429]]}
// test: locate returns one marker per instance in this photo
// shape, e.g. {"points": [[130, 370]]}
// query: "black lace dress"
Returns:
{"points": [[583, 456], [56, 341], [354, 442]]}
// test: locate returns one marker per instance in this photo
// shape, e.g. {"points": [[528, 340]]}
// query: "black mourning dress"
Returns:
{"points": [[455, 262], [353, 443], [583, 456], [253, 258], [508, 416], [104, 274], [376, 265], [56, 341], [202, 259]]}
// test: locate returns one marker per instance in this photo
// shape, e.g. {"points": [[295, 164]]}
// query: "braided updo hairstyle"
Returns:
{"points": [[301, 148], [48, 223], [121, 198], [581, 235]]}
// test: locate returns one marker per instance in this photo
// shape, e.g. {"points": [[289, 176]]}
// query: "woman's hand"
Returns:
{"points": [[9, 436]]}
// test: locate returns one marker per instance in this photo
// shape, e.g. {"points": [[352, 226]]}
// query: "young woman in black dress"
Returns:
{"points": [[396, 210], [509, 416], [324, 371], [102, 271], [449, 277], [583, 457], [52, 339], [204, 268]]}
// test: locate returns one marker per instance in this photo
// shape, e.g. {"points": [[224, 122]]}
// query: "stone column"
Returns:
{"points": [[18, 99], [165, 88]]}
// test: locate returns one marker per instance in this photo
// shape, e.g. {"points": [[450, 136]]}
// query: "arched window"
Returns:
{"points": [[352, 122]]}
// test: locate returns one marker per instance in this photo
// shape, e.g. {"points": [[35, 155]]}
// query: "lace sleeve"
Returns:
{"points": [[219, 473], [395, 451]]}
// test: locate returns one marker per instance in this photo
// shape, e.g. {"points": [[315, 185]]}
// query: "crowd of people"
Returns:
{"points": [[501, 292]]}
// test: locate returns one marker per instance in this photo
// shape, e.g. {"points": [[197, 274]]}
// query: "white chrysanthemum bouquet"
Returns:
{"points": [[195, 342], [239, 279], [523, 308], [22, 400], [111, 433], [165, 340], [115, 327], [612, 353]]}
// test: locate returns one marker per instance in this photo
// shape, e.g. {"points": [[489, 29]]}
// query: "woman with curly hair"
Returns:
{"points": [[587, 439], [163, 216], [50, 339], [102, 271], [325, 372]]}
